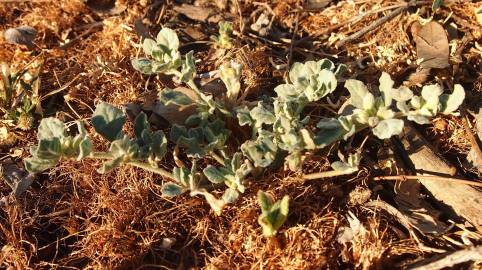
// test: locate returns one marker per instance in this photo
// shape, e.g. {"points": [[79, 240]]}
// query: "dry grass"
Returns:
{"points": [[73, 217]]}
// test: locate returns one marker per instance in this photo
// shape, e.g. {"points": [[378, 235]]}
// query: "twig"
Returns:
{"points": [[457, 257], [292, 44], [327, 174], [77, 38], [379, 22], [428, 177], [473, 140]]}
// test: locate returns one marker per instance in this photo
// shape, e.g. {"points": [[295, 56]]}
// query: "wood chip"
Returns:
{"points": [[463, 199], [448, 260]]}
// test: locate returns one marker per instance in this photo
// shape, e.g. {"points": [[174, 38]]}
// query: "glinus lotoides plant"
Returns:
{"points": [[273, 213], [281, 129]]}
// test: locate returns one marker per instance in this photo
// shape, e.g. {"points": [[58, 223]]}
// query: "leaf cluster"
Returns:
{"points": [[280, 128], [19, 93], [273, 213]]}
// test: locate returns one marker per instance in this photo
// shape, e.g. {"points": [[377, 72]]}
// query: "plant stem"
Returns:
{"points": [[328, 174], [428, 177], [100, 155], [138, 164], [147, 167]]}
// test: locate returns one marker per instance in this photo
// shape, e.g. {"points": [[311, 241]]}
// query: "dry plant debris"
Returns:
{"points": [[257, 67]]}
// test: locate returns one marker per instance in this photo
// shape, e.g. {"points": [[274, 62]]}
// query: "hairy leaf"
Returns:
{"points": [[171, 190], [108, 121], [170, 96], [450, 103], [387, 128]]}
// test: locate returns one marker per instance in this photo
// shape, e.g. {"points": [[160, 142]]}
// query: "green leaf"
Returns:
{"points": [[124, 148], [297, 73], [358, 92], [265, 201], [230, 195], [262, 115], [387, 128], [50, 128], [437, 4], [149, 45], [48, 149], [332, 130], [431, 94], [159, 145], [188, 69], [108, 121], [230, 75], [325, 83], [340, 70], [168, 38], [262, 151], [181, 175], [273, 214], [170, 96], [171, 190], [143, 65], [244, 116], [214, 175], [140, 124], [288, 92], [326, 64], [418, 118], [294, 160], [82, 143], [37, 165], [283, 212], [450, 103]]}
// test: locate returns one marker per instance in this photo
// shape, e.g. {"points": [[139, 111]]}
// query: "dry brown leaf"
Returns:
{"points": [[417, 78], [105, 6], [177, 114], [17, 178], [316, 4], [432, 45], [201, 14], [22, 35]]}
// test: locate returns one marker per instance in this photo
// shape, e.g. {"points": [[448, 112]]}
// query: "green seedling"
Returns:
{"points": [[379, 113], [19, 94], [224, 40], [273, 214]]}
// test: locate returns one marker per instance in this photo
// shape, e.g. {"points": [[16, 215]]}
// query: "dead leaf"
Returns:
{"points": [[105, 6], [316, 4], [22, 35], [17, 178], [202, 14], [421, 214], [261, 25], [347, 234], [176, 114], [98, 5], [432, 45], [141, 28], [417, 78]]}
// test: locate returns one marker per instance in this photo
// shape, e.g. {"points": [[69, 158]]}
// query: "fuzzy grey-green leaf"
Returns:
{"points": [[108, 121]]}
